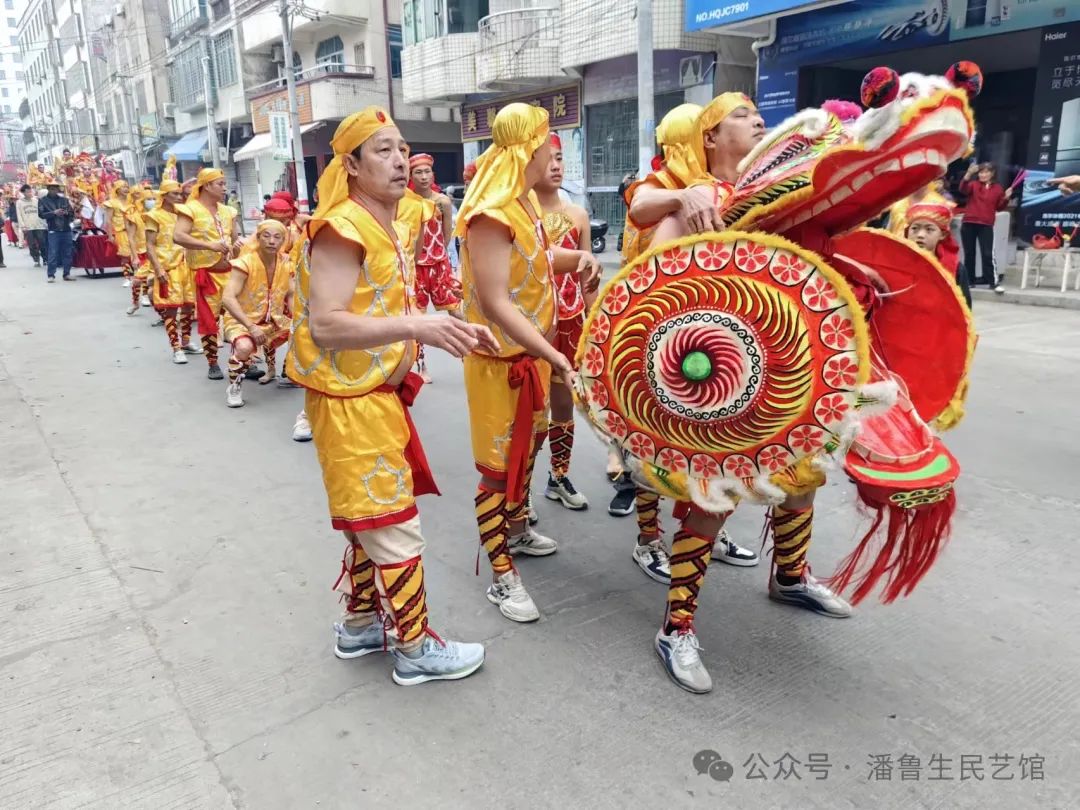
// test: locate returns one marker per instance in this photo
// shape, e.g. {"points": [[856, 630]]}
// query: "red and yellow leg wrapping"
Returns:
{"points": [[689, 561], [791, 539]]}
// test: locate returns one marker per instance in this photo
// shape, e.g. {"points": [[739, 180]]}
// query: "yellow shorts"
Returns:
{"points": [[492, 406], [361, 445], [181, 287], [275, 335]]}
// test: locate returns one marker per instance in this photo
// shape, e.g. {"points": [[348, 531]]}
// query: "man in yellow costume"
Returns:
{"points": [[206, 228], [674, 188], [354, 343], [135, 225], [729, 128], [257, 298], [116, 226], [508, 284], [174, 288]]}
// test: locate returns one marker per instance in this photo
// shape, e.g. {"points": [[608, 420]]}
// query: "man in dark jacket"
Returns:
{"points": [[55, 209]]}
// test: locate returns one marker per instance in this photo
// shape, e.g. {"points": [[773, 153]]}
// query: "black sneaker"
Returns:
{"points": [[623, 503], [254, 373], [214, 373]]}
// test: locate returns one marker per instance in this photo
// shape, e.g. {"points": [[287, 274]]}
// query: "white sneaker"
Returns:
{"points": [[999, 289], [301, 431], [191, 347], [179, 358], [233, 397], [562, 490], [354, 642], [132, 310], [145, 300], [508, 592], [531, 543], [652, 558], [810, 594], [680, 654], [728, 551], [126, 282], [437, 661]]}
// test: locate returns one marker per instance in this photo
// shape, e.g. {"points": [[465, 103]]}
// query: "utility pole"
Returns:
{"points": [[646, 113], [294, 109], [135, 131], [211, 131]]}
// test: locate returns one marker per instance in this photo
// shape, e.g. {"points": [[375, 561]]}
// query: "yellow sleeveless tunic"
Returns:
{"points": [[360, 429], [118, 221], [492, 402], [263, 302], [180, 289], [143, 267]]}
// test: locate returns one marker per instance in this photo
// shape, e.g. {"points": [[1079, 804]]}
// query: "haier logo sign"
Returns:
{"points": [[1054, 36]]}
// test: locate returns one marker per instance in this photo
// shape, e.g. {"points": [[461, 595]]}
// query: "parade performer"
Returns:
{"points": [[507, 275], [566, 226], [257, 300], [685, 189], [205, 227], [135, 226], [116, 226], [426, 213], [928, 225], [353, 347], [174, 288], [731, 365]]}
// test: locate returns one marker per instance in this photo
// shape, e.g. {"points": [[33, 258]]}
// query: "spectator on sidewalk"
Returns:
{"points": [[56, 210], [33, 226], [984, 199]]}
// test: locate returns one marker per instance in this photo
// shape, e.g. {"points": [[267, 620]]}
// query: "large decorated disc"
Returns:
{"points": [[721, 361]]}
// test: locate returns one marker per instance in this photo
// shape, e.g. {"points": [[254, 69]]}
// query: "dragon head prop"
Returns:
{"points": [[815, 176]]}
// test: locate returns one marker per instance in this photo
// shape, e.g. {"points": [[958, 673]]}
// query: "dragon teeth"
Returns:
{"points": [[861, 180], [913, 159]]}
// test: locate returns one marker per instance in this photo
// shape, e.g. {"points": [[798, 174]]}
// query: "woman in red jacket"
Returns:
{"points": [[984, 199]]}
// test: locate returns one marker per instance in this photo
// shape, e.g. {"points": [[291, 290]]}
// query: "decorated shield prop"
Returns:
{"points": [[721, 361]]}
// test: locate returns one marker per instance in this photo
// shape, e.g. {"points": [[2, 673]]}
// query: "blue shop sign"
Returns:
{"points": [[714, 13]]}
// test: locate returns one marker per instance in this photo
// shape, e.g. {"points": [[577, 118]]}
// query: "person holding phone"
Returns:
{"points": [[57, 212]]}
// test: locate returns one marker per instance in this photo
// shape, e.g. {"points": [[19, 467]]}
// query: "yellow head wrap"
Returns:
{"points": [[206, 175], [271, 225], [517, 132], [350, 134], [165, 187], [713, 113], [676, 135], [119, 192]]}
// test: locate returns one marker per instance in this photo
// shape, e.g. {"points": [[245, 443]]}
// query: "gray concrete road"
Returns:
{"points": [[165, 610]]}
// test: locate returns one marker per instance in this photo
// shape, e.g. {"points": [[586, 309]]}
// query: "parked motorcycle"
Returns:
{"points": [[598, 229]]}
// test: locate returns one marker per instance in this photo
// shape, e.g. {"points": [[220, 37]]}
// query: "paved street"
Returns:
{"points": [[165, 610]]}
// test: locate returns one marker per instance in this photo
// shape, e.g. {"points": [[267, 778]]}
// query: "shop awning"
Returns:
{"points": [[262, 144], [189, 147]]}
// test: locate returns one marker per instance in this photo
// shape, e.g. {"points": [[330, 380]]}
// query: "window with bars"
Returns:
{"points": [[186, 78], [393, 37], [225, 59], [330, 55]]}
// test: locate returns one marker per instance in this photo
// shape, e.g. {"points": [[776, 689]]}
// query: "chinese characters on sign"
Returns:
{"points": [[563, 105]]}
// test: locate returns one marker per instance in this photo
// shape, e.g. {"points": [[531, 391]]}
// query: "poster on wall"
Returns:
{"points": [[1055, 138]]}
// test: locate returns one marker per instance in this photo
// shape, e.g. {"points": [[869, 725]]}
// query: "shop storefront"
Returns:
{"points": [[1024, 120]]}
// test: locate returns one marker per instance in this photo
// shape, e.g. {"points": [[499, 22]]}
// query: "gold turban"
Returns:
{"points": [[676, 135], [206, 175], [350, 134], [165, 187], [271, 225], [516, 133], [713, 113]]}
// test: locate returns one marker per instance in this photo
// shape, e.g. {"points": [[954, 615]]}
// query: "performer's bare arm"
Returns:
{"points": [[182, 237], [489, 247], [651, 204], [676, 225], [447, 210], [335, 267], [151, 253], [581, 221], [129, 226], [230, 299]]}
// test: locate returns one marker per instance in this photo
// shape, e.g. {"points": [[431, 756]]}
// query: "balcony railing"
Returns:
{"points": [[191, 19], [337, 70], [518, 47]]}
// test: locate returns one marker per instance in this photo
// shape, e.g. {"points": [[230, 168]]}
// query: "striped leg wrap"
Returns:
{"points": [[791, 539], [136, 289], [210, 348], [168, 314], [491, 519], [689, 561], [236, 368], [186, 318], [517, 511], [360, 591], [404, 598], [648, 513], [561, 442]]}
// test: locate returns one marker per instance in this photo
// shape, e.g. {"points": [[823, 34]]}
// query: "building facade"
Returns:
{"points": [[12, 84]]}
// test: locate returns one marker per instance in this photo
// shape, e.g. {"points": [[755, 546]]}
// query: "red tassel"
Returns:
{"points": [[913, 540]]}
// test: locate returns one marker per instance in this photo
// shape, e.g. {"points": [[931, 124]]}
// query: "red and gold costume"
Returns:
{"points": [[117, 206], [435, 281], [357, 401], [176, 295], [209, 268], [508, 393]]}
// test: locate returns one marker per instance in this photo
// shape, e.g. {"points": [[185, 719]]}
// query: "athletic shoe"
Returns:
{"points": [[728, 551], [810, 594], [191, 348], [999, 289], [562, 490], [623, 503], [144, 300], [126, 282], [508, 592], [652, 558], [285, 382], [51, 280], [301, 430], [254, 373], [680, 654], [132, 310], [438, 661], [179, 357], [214, 373], [233, 397], [158, 322], [530, 513], [67, 278], [531, 543], [355, 642]]}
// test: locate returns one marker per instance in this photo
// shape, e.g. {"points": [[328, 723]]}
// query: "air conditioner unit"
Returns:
{"points": [[168, 110], [223, 154], [277, 53]]}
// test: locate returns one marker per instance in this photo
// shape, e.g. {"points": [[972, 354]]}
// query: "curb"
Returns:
{"points": [[1031, 298]]}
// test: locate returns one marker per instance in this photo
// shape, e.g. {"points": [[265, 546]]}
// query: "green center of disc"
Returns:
{"points": [[696, 366]]}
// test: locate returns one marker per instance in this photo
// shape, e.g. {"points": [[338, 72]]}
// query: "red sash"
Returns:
{"points": [[423, 479]]}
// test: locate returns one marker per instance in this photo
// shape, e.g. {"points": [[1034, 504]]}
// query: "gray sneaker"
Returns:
{"points": [[509, 594], [680, 654], [728, 551], [354, 642], [810, 594], [531, 543], [438, 661], [652, 558]]}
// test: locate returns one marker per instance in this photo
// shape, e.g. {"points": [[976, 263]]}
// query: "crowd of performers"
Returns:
{"points": [[347, 290]]}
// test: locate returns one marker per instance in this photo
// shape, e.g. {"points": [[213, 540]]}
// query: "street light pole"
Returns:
{"points": [[294, 109], [646, 113], [211, 132]]}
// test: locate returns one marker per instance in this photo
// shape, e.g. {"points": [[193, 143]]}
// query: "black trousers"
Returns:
{"points": [[35, 240], [970, 234]]}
